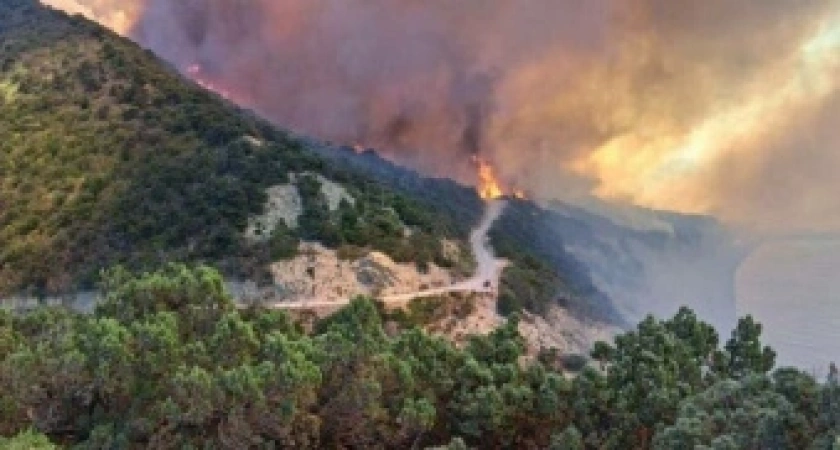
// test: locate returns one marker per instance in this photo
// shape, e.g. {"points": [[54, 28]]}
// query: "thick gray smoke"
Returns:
{"points": [[722, 106], [412, 78]]}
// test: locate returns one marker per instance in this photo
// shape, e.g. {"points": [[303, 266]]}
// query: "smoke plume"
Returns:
{"points": [[725, 107]]}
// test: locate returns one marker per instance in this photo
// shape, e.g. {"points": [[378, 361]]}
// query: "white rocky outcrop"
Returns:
{"points": [[332, 191], [559, 329], [285, 204]]}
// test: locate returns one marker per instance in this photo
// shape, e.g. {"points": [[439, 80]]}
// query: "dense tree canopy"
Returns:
{"points": [[167, 361]]}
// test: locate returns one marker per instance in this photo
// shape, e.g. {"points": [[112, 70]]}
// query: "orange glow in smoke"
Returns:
{"points": [[488, 185], [196, 73]]}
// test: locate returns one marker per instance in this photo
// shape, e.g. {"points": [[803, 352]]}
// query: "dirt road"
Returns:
{"points": [[484, 281]]}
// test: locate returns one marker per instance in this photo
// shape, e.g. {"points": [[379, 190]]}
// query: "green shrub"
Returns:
{"points": [[27, 440], [283, 243], [573, 362], [507, 303], [349, 252]]}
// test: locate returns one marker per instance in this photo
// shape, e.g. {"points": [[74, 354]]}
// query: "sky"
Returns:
{"points": [[722, 107]]}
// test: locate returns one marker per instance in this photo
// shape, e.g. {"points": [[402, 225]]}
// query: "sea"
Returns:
{"points": [[793, 288]]}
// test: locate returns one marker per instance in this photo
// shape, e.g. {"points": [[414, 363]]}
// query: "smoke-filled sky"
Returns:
{"points": [[728, 107]]}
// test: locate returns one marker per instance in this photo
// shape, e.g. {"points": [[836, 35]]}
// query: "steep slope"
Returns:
{"points": [[108, 156], [654, 262], [612, 263], [542, 272]]}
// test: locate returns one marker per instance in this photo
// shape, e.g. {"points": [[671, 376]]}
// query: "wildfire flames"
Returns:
{"points": [[196, 73], [643, 101], [489, 187]]}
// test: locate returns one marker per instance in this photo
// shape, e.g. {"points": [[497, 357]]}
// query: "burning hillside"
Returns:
{"points": [[669, 104], [489, 186], [196, 72]]}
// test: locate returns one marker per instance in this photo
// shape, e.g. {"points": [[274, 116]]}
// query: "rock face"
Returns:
{"points": [[284, 204], [654, 262], [333, 192], [319, 274], [564, 332], [558, 329]]}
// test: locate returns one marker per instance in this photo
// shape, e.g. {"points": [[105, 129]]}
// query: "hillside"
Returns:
{"points": [[653, 262], [108, 156], [613, 261], [543, 273], [111, 157], [117, 172]]}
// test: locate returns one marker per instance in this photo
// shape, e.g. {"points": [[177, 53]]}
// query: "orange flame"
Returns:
{"points": [[488, 185], [196, 73]]}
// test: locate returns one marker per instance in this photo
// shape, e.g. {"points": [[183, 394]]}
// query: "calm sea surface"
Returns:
{"points": [[793, 288]]}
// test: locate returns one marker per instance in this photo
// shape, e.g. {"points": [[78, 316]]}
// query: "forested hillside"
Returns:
{"points": [[169, 362], [108, 156]]}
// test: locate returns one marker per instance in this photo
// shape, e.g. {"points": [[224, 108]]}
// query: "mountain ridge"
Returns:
{"points": [[115, 158]]}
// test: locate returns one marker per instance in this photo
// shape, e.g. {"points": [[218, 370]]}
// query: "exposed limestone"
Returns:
{"points": [[483, 320], [284, 204], [318, 274], [558, 329], [333, 192], [561, 330]]}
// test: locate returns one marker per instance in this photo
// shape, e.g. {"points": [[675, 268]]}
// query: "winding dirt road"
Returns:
{"points": [[485, 280]]}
